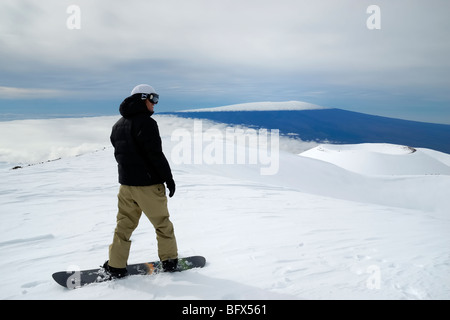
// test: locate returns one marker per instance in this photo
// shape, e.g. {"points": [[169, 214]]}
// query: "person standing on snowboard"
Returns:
{"points": [[143, 170]]}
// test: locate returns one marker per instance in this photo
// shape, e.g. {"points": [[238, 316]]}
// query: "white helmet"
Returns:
{"points": [[147, 92], [143, 88]]}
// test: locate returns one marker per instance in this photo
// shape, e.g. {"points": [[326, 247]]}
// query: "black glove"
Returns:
{"points": [[171, 186]]}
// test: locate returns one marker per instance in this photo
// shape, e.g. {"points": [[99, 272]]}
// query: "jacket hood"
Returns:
{"points": [[132, 106]]}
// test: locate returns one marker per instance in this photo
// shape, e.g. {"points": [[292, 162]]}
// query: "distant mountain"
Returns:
{"points": [[263, 106], [335, 126]]}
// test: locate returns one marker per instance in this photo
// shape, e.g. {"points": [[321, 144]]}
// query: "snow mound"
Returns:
{"points": [[263, 106], [382, 159]]}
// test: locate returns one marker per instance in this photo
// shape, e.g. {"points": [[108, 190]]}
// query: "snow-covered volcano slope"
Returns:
{"points": [[263, 106], [313, 230], [383, 159]]}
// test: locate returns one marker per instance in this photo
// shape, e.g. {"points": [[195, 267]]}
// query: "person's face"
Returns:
{"points": [[150, 106]]}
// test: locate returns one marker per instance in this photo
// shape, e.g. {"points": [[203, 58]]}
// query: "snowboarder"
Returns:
{"points": [[143, 170]]}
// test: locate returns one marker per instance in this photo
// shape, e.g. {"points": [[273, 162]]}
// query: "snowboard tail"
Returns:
{"points": [[79, 278]]}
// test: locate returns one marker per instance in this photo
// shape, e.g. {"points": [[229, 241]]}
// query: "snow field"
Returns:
{"points": [[314, 230]]}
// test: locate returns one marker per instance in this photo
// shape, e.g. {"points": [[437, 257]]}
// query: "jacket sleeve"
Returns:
{"points": [[149, 141]]}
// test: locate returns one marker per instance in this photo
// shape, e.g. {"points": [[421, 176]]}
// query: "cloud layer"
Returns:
{"points": [[230, 51]]}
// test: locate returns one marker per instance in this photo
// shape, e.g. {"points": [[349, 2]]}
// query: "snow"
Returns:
{"points": [[36, 140], [263, 106], [327, 225], [382, 159]]}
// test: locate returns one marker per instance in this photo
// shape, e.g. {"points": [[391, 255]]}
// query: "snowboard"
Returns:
{"points": [[80, 278]]}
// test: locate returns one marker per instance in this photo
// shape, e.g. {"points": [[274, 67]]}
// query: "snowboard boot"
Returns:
{"points": [[114, 273], [170, 265]]}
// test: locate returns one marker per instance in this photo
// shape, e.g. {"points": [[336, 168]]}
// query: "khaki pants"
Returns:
{"points": [[152, 201]]}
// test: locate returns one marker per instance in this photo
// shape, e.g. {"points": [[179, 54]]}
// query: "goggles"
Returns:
{"points": [[152, 97]]}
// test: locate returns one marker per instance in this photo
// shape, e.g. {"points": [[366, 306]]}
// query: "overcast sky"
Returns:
{"points": [[206, 53]]}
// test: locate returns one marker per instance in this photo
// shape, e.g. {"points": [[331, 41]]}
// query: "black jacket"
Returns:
{"points": [[137, 146]]}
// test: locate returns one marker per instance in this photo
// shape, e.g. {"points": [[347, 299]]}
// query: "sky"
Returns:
{"points": [[56, 60]]}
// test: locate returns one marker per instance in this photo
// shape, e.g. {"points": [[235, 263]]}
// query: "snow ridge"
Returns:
{"points": [[262, 106]]}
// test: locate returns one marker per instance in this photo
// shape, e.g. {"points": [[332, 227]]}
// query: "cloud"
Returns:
{"points": [[214, 48], [275, 35], [29, 93], [32, 141]]}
